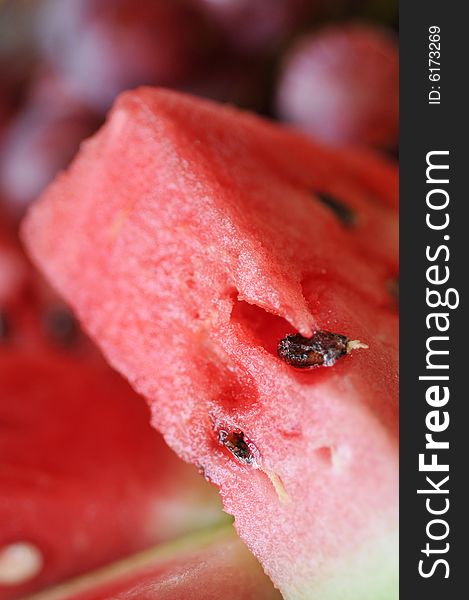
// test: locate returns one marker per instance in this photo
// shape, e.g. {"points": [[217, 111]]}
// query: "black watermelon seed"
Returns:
{"points": [[322, 349], [5, 329], [393, 287], [345, 215], [235, 443], [60, 326]]}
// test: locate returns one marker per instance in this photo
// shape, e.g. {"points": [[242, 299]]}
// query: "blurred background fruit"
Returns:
{"points": [[207, 565], [84, 479], [17, 55], [41, 139], [101, 47], [257, 26], [307, 62], [341, 85], [327, 67], [33, 319]]}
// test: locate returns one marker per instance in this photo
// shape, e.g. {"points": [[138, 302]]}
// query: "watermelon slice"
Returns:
{"points": [[84, 479], [197, 242], [207, 565]]}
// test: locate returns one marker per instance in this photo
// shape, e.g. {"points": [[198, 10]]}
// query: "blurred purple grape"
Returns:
{"points": [[39, 141], [256, 25], [341, 84], [101, 47], [17, 55]]}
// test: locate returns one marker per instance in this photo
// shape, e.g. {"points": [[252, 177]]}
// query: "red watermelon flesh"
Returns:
{"points": [[190, 238], [208, 565], [84, 479]]}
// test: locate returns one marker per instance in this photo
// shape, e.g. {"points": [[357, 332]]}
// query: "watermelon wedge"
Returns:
{"points": [[207, 565], [84, 479], [201, 247]]}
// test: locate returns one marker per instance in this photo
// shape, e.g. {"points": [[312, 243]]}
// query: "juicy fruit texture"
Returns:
{"points": [[341, 85], [209, 565], [190, 238], [84, 479]]}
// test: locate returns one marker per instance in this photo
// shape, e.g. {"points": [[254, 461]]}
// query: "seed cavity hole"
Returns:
{"points": [[260, 327], [244, 451], [19, 562], [239, 446]]}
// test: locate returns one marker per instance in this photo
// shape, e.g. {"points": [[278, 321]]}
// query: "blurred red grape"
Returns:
{"points": [[341, 85], [101, 47]]}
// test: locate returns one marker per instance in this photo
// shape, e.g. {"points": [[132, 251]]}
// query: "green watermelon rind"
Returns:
{"points": [[140, 563], [377, 565]]}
